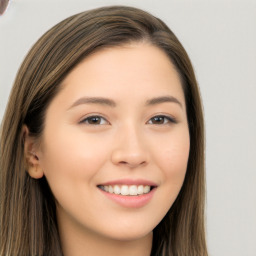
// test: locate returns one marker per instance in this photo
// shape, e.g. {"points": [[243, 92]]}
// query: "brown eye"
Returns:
{"points": [[161, 120], [94, 120]]}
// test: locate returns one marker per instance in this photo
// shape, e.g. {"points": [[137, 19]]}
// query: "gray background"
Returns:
{"points": [[220, 37]]}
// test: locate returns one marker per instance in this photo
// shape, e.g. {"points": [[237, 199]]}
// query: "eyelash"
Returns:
{"points": [[166, 120], [90, 118]]}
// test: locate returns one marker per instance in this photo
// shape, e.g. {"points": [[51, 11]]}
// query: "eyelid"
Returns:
{"points": [[86, 118], [170, 119]]}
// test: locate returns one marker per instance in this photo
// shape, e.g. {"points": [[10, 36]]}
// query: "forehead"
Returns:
{"points": [[137, 66]]}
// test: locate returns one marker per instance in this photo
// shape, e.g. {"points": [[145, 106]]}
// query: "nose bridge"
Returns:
{"points": [[129, 147]]}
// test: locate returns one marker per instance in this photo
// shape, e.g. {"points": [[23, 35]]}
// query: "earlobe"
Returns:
{"points": [[33, 165], [35, 172]]}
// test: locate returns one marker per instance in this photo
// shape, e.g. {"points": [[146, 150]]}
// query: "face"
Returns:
{"points": [[117, 126]]}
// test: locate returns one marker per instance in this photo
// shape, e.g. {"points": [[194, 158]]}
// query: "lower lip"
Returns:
{"points": [[130, 201]]}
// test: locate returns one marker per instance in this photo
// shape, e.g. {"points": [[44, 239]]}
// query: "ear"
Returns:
{"points": [[33, 165]]}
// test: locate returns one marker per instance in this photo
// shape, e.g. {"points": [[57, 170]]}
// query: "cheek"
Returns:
{"points": [[172, 160], [72, 156], [173, 154], [175, 160]]}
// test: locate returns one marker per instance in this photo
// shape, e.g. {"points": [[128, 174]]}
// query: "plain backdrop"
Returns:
{"points": [[220, 38]]}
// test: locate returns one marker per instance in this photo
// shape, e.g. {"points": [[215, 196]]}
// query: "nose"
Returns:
{"points": [[129, 149]]}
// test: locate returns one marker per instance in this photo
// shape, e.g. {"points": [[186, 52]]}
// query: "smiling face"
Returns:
{"points": [[117, 126]]}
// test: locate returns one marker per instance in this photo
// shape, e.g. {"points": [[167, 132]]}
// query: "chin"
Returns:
{"points": [[129, 235]]}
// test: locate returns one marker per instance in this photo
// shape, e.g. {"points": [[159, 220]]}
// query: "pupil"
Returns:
{"points": [[158, 119], [94, 120]]}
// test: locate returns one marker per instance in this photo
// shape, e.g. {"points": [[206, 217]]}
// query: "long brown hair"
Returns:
{"points": [[27, 213]]}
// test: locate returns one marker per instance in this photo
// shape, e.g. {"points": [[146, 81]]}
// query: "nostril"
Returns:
{"points": [[132, 164], [129, 156]]}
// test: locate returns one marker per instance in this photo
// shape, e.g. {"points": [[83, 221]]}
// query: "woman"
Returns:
{"points": [[102, 142]]}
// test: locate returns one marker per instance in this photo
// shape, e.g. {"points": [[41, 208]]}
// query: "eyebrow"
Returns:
{"points": [[111, 103], [94, 100], [163, 99]]}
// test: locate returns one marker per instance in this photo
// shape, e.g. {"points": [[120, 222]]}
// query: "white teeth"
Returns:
{"points": [[140, 189], [146, 189], [110, 189], [117, 190], [126, 190], [133, 190]]}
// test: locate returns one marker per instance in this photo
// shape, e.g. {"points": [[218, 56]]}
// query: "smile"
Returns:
{"points": [[126, 190]]}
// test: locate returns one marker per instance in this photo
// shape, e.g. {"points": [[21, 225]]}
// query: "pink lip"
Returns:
{"points": [[130, 182], [130, 201]]}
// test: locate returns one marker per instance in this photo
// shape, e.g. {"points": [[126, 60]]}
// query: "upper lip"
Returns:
{"points": [[130, 182]]}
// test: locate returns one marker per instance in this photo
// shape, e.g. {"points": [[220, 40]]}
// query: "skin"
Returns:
{"points": [[127, 143]]}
